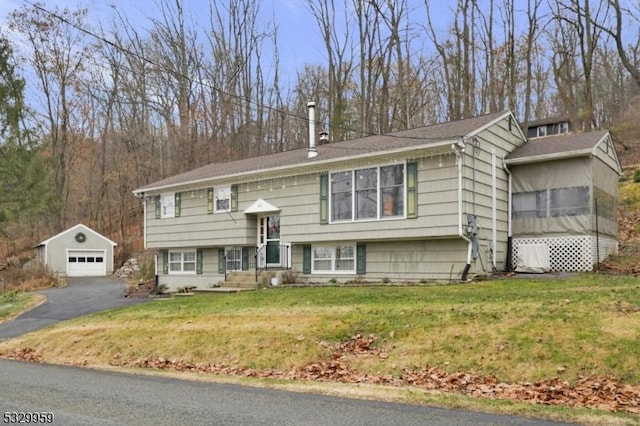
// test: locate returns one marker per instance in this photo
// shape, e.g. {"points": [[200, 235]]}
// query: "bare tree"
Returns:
{"points": [[530, 53], [629, 57], [458, 59], [57, 56], [238, 88], [578, 17], [340, 64]]}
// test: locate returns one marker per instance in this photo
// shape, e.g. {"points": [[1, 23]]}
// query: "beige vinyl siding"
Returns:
{"points": [[415, 261], [437, 207], [196, 228], [298, 200], [477, 197], [606, 153], [207, 279]]}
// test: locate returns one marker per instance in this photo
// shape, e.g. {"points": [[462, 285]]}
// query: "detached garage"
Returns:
{"points": [[77, 252]]}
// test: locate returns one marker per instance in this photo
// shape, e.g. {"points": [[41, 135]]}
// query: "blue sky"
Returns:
{"points": [[298, 33]]}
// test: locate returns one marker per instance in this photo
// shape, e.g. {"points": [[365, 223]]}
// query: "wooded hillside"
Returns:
{"points": [[91, 110]]}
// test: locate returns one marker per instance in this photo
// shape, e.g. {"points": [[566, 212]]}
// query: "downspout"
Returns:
{"points": [[144, 221], [494, 232], [509, 260], [459, 150]]}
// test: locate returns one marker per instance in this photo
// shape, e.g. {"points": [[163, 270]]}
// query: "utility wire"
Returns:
{"points": [[211, 86]]}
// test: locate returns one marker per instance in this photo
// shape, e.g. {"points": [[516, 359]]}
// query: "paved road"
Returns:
{"points": [[81, 296], [80, 396]]}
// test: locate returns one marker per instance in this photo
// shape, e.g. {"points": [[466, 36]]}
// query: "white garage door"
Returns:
{"points": [[82, 263]]}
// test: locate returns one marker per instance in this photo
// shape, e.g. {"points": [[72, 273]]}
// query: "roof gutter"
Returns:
{"points": [[547, 157]]}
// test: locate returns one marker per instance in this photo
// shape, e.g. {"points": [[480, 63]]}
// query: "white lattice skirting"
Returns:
{"points": [[570, 253]]}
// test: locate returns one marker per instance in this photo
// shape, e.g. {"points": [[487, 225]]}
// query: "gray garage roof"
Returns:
{"points": [[419, 137]]}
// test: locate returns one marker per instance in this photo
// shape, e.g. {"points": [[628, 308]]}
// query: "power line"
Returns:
{"points": [[207, 84]]}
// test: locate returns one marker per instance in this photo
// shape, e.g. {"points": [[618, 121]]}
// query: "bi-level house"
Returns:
{"points": [[430, 203]]}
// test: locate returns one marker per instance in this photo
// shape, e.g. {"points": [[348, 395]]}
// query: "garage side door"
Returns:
{"points": [[82, 263]]}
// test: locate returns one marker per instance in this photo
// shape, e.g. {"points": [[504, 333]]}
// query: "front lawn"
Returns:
{"points": [[497, 333]]}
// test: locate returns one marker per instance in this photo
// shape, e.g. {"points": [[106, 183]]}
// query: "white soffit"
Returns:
{"points": [[261, 206]]}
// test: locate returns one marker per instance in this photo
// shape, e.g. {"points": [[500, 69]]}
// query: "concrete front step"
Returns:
{"points": [[241, 279]]}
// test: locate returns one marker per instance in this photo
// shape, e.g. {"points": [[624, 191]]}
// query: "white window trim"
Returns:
{"points": [[224, 190], [333, 269], [168, 205], [182, 262], [563, 127], [540, 132], [379, 216]]}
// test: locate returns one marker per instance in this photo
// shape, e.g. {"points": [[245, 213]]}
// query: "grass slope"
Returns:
{"points": [[516, 330]]}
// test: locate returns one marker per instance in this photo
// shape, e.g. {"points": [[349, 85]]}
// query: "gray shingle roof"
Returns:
{"points": [[421, 136], [578, 144]]}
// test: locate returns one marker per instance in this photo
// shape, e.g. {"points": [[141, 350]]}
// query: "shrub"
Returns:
{"points": [[28, 277], [147, 270], [636, 176], [289, 276]]}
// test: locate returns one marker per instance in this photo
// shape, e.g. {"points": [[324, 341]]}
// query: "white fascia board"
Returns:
{"points": [[75, 228], [548, 157]]}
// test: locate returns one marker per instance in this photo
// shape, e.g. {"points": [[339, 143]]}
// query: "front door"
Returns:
{"points": [[269, 236]]}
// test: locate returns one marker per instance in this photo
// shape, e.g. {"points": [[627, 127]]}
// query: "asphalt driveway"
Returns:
{"points": [[80, 297]]}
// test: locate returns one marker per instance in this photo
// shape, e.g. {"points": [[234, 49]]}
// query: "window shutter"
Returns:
{"points": [[165, 262], [233, 198], [177, 205], [306, 259], [199, 261], [158, 207], [412, 190], [221, 265], [361, 259], [324, 198], [210, 200]]}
